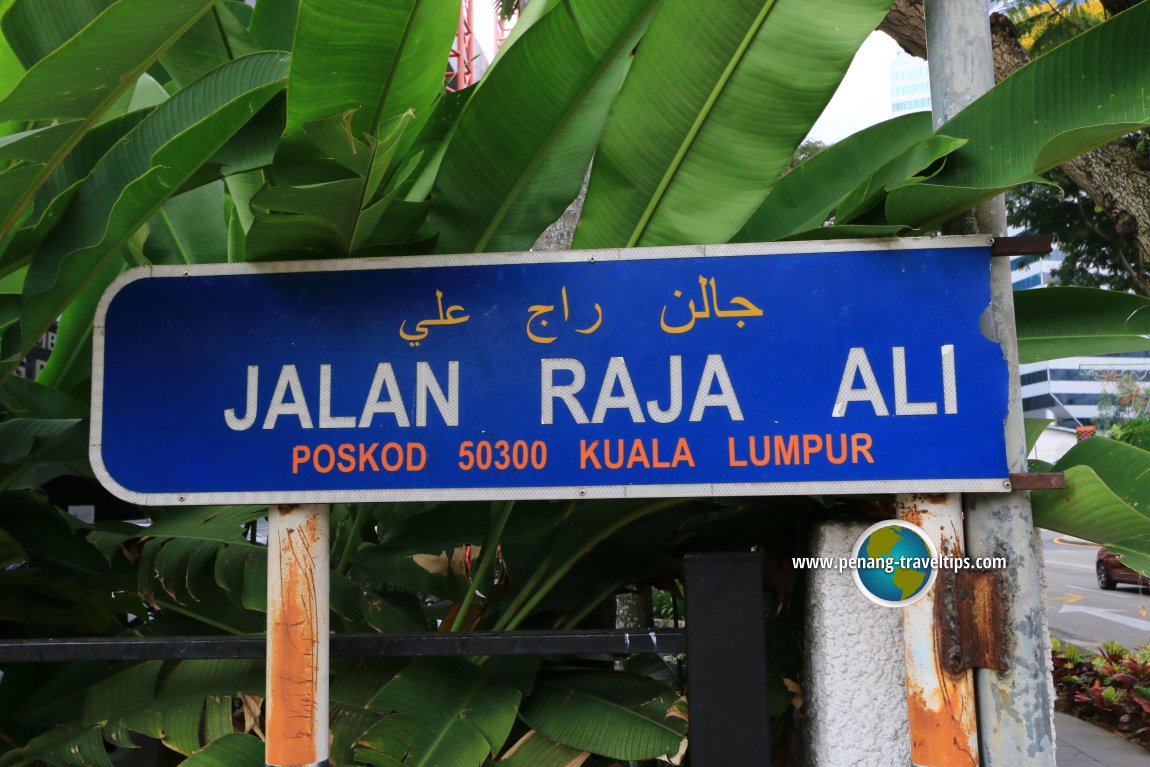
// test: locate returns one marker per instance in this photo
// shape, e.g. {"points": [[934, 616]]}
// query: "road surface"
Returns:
{"points": [[1080, 612]]}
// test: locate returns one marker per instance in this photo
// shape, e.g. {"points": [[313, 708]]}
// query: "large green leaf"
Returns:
{"points": [[189, 228], [11, 70], [447, 712], [623, 716], [69, 367], [1107, 498], [188, 691], [806, 195], [273, 23], [687, 160], [379, 58], [365, 78], [1077, 97], [34, 28], [70, 744], [535, 750], [1069, 322], [232, 750], [218, 37], [503, 179], [126, 39], [133, 180]]}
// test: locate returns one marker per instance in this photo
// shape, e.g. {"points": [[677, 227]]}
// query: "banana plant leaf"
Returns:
{"points": [[62, 745], [1039, 117], [56, 193], [503, 180], [623, 716], [273, 23], [35, 29], [1059, 322], [126, 38], [446, 712], [131, 182], [218, 37], [233, 750], [377, 59], [689, 164], [1107, 499], [534, 750], [805, 196], [11, 69]]}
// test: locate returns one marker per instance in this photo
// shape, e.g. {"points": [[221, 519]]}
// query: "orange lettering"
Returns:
{"points": [[731, 453], [683, 453], [638, 453], [587, 452], [655, 456], [831, 453], [315, 459], [618, 464], [787, 451], [860, 445], [412, 449], [368, 456], [766, 459], [346, 458], [812, 443], [388, 466], [299, 454]]}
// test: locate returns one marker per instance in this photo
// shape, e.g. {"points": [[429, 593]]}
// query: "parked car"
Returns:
{"points": [[1111, 571]]}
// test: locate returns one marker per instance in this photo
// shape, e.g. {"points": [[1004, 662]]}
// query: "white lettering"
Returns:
{"points": [[384, 376], [289, 379], [550, 391], [857, 362]]}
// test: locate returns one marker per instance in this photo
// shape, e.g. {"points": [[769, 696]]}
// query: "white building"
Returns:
{"points": [[1069, 390], [909, 84]]}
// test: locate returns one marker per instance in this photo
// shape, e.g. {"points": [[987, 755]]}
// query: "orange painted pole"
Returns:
{"points": [[940, 704], [297, 635]]}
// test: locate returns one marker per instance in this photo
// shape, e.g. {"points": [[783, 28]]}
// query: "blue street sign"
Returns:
{"points": [[725, 370]]}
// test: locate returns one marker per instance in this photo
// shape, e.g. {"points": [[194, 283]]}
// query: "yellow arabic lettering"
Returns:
{"points": [[445, 318], [539, 310], [536, 311], [710, 300]]}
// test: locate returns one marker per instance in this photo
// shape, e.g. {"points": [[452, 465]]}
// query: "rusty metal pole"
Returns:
{"points": [[298, 633], [940, 703], [1015, 705]]}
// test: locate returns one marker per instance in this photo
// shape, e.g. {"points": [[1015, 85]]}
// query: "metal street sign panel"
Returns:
{"points": [[836, 367]]}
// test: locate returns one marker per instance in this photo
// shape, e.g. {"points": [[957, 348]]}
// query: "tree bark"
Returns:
{"points": [[1115, 176]]}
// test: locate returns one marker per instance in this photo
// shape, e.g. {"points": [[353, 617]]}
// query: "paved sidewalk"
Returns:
{"points": [[1081, 744]]}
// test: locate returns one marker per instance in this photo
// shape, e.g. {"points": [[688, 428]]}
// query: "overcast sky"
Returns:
{"points": [[864, 97]]}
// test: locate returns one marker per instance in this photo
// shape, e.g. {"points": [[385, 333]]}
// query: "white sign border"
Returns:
{"points": [[574, 492]]}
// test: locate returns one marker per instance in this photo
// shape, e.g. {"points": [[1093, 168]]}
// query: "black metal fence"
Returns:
{"points": [[725, 638]]}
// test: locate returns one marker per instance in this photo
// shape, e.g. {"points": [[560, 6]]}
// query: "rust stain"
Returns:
{"points": [[940, 734], [293, 673]]}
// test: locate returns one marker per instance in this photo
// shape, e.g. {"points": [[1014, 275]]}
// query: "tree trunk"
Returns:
{"points": [[1115, 176]]}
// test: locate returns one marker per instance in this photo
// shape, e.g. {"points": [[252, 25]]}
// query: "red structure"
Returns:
{"points": [[503, 28], [461, 64]]}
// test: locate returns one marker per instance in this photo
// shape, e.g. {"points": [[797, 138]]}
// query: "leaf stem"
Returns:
{"points": [[576, 555], [490, 546], [352, 539], [197, 616]]}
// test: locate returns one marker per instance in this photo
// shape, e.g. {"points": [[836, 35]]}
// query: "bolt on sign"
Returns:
{"points": [[835, 367]]}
